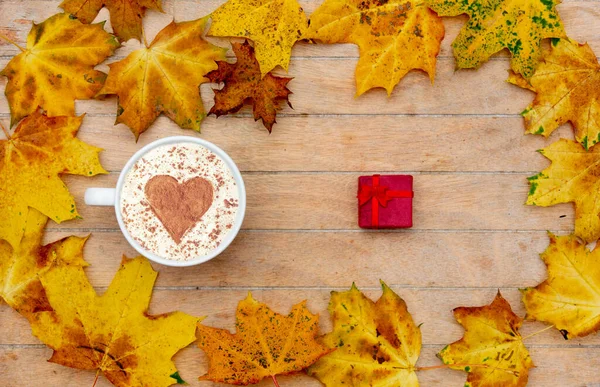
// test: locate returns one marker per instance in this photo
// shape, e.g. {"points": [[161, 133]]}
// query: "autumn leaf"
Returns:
{"points": [[40, 149], [164, 78], [112, 333], [244, 85], [567, 83], [572, 177], [518, 25], [377, 343], [21, 268], [125, 15], [570, 298], [57, 67], [266, 344], [273, 25], [394, 37], [492, 350]]}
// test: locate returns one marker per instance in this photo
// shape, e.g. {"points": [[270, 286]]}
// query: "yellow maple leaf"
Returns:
{"points": [[492, 349], [57, 67], [572, 177], [266, 344], [20, 268], [393, 37], [567, 83], [164, 78], [518, 25], [570, 298], [125, 15], [377, 343], [40, 149], [112, 333], [273, 25]]}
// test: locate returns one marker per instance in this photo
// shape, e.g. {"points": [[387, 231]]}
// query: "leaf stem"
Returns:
{"points": [[537, 333], [9, 40], [6, 133], [144, 36], [275, 380], [96, 379], [437, 367]]}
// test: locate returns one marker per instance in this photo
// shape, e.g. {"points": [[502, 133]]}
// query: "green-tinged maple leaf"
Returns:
{"points": [[518, 25], [492, 350], [574, 176], [567, 84]]}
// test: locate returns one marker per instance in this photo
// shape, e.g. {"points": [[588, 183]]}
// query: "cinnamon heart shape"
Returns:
{"points": [[179, 206]]}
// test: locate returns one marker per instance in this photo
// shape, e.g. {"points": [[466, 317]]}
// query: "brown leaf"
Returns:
{"points": [[244, 85]]}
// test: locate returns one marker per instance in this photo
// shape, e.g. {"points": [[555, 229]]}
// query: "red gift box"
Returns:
{"points": [[385, 201]]}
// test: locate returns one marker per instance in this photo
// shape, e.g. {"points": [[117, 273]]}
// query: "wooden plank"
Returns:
{"points": [[15, 16], [317, 201], [430, 306], [296, 259], [554, 367], [330, 82], [347, 143]]}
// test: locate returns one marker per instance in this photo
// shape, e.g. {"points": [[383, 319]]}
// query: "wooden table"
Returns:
{"points": [[463, 141]]}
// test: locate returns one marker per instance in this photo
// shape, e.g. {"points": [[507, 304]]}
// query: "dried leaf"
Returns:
{"points": [[393, 37], [164, 78], [21, 268], [377, 343], [518, 25], [244, 85], [567, 83], [273, 25], [570, 298], [492, 349], [125, 15], [31, 161], [57, 67], [572, 177], [266, 344], [112, 333]]}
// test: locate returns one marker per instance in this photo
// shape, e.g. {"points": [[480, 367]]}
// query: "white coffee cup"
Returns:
{"points": [[112, 197]]}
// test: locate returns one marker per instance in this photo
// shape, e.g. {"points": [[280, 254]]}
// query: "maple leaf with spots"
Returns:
{"points": [[243, 84]]}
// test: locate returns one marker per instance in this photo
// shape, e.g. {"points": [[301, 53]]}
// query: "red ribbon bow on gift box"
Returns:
{"points": [[379, 195]]}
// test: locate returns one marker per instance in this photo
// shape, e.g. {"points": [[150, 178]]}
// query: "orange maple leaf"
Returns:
{"points": [[125, 15], [243, 85], [266, 344]]}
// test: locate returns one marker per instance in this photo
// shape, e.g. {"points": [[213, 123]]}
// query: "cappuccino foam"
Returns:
{"points": [[182, 161]]}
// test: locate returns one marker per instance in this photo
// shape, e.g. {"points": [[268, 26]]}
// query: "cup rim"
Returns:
{"points": [[239, 217]]}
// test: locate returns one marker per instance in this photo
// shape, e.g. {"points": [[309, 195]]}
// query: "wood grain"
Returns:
{"points": [[327, 201], [462, 139], [508, 259]]}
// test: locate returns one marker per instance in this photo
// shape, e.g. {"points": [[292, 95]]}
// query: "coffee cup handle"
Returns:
{"points": [[100, 196]]}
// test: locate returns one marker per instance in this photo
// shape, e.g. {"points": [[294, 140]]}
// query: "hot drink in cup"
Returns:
{"points": [[178, 201]]}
